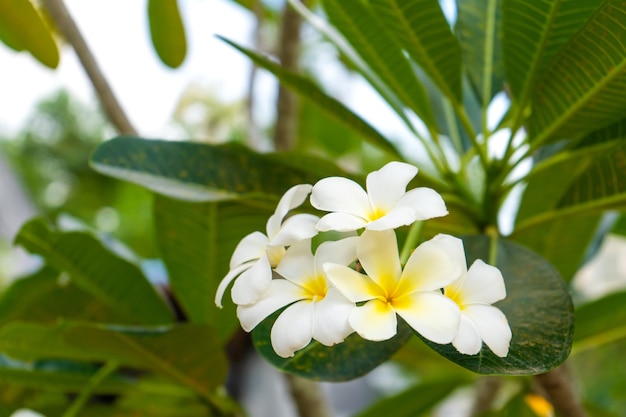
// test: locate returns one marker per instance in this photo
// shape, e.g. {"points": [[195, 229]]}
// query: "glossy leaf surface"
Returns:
{"points": [[344, 361], [537, 306], [199, 172]]}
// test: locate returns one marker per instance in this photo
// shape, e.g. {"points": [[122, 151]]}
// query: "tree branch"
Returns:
{"points": [[487, 389], [558, 387], [63, 20], [287, 105], [308, 397]]}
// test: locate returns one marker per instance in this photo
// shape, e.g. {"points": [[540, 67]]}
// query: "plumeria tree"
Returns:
{"points": [[452, 257]]}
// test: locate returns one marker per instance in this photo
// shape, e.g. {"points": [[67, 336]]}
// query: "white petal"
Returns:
{"points": [[252, 283], [425, 202], [341, 252], [430, 267], [467, 341], [341, 222], [388, 184], [297, 264], [493, 327], [340, 195], [483, 284], [396, 217], [293, 329], [431, 314], [354, 286], [374, 320], [250, 247], [280, 293], [290, 200], [331, 324], [295, 228], [378, 254], [232, 274]]}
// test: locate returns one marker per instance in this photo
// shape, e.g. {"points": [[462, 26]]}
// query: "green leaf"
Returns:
{"points": [[423, 31], [414, 401], [538, 308], [532, 39], [45, 297], [479, 29], [581, 91], [582, 182], [167, 31], [113, 281], [348, 360], [600, 322], [362, 28], [22, 28], [189, 354], [307, 89], [199, 172], [196, 241]]}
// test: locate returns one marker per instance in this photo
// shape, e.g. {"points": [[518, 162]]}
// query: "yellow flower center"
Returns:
{"points": [[315, 288], [275, 255], [376, 214], [456, 297]]}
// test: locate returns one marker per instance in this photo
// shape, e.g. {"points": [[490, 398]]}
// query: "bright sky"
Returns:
{"points": [[117, 33]]}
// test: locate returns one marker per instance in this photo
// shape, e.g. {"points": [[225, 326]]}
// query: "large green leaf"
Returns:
{"points": [[167, 31], [363, 29], [307, 89], [188, 354], [585, 181], [415, 400], [199, 172], [196, 241], [348, 360], [532, 38], [600, 322], [113, 281], [22, 28], [479, 29], [582, 89], [45, 297], [537, 306], [422, 30]]}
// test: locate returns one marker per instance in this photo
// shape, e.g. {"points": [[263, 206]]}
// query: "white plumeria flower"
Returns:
{"points": [[318, 311], [413, 293], [474, 292], [256, 254], [386, 205]]}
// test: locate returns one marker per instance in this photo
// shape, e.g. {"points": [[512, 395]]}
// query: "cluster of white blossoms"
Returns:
{"points": [[326, 295]]}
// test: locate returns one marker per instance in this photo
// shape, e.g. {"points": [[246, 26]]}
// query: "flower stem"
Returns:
{"points": [[80, 401], [411, 241]]}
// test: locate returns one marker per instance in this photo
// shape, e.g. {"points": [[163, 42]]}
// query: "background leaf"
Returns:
{"points": [[196, 241], [22, 28], [479, 30], [581, 91], [199, 172], [600, 322], [167, 31], [537, 306], [113, 281], [344, 361], [424, 33]]}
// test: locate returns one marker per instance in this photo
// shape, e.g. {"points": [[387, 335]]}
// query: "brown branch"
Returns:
{"points": [[64, 22], [487, 389], [287, 105], [557, 385], [308, 397], [254, 135]]}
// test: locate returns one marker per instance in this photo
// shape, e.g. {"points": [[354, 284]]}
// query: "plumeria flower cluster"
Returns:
{"points": [[357, 283]]}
